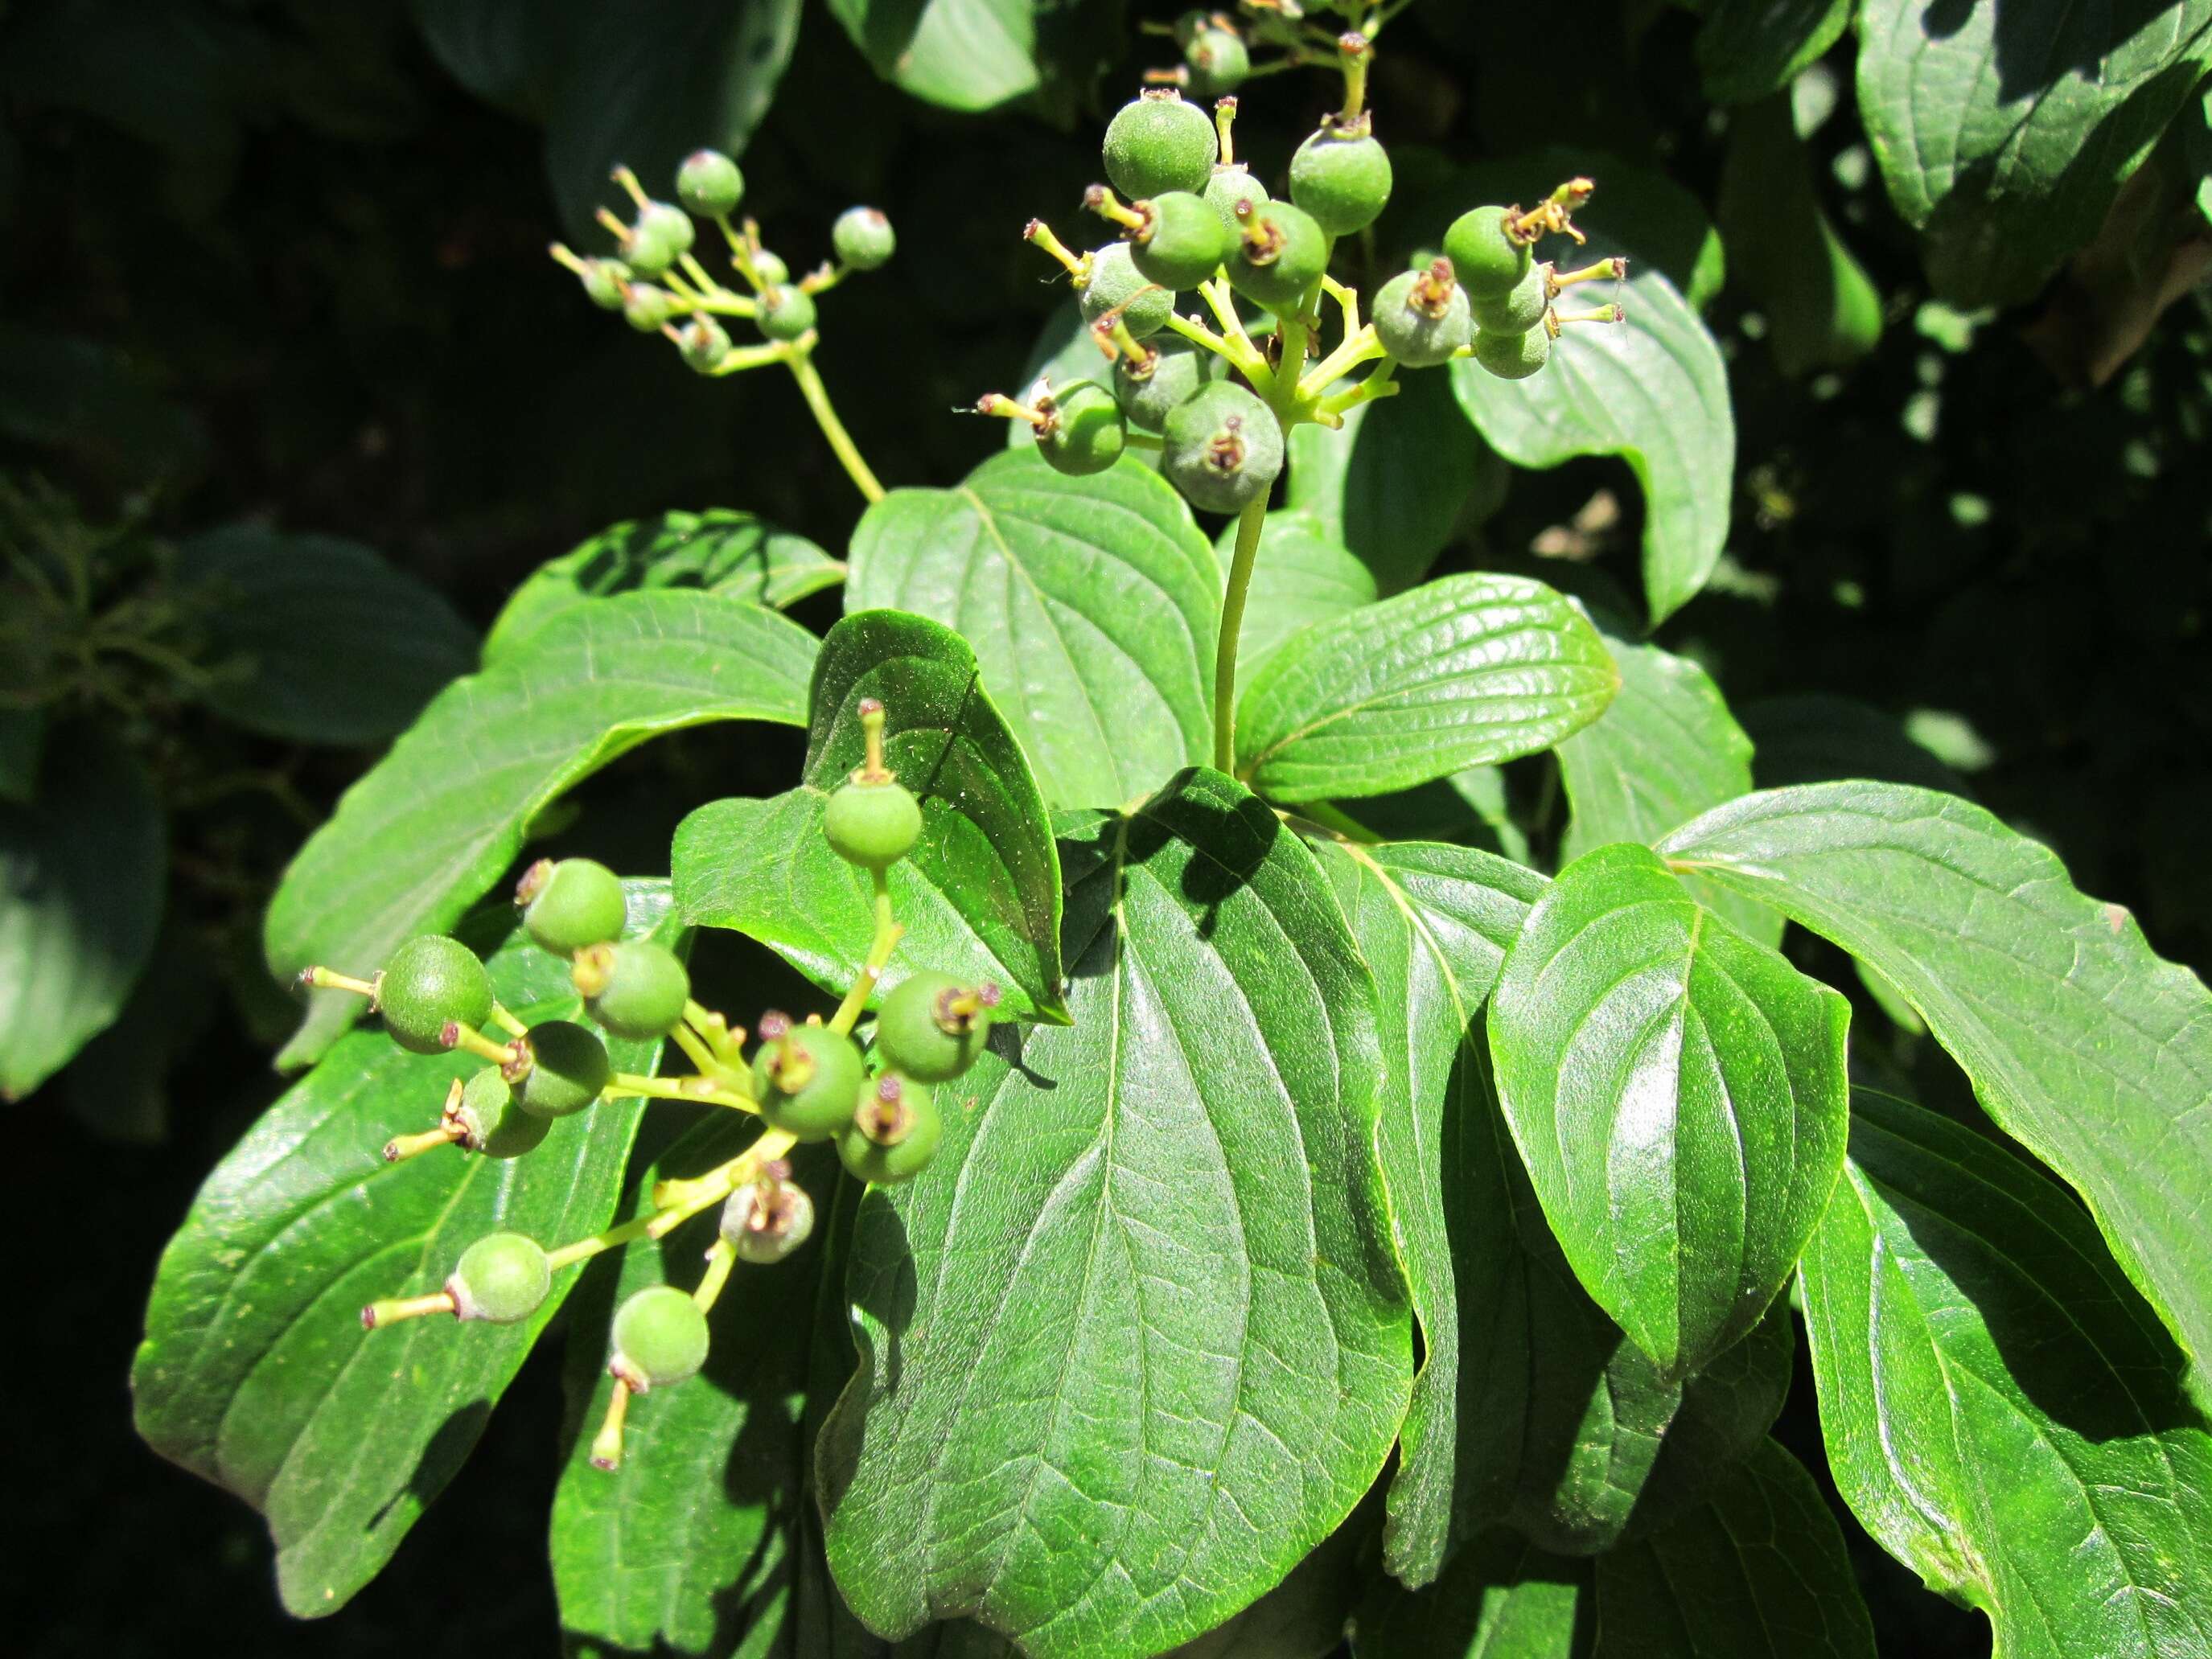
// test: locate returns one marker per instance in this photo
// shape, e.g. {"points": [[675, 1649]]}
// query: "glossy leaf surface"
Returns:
{"points": [[980, 893], [1091, 603], [2091, 1050], [255, 1372], [2001, 1411], [1135, 1342], [440, 818], [1677, 1092], [1461, 671]]}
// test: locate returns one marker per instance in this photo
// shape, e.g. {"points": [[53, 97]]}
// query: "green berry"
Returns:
{"points": [[932, 1027], [765, 1221], [894, 1134], [1519, 308], [492, 1122], [874, 825], [562, 1069], [1157, 143], [769, 266], [703, 344], [432, 980], [710, 184], [1218, 60], [1084, 432], [863, 238], [1281, 254], [634, 988], [1421, 316], [668, 225], [1487, 261], [1114, 283], [1235, 195], [1513, 356], [787, 312], [645, 307], [1183, 242], [648, 249], [659, 1339], [603, 280], [1148, 388], [502, 1279], [1342, 178], [569, 904], [806, 1078], [1222, 448]]}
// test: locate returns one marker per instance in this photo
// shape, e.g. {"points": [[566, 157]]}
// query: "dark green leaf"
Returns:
{"points": [[1749, 48], [1500, 1598], [81, 869], [721, 550], [1814, 738], [1755, 1571], [2004, 131], [688, 1547], [1462, 671], [318, 640], [1822, 310], [117, 1086], [1093, 605], [255, 1372], [647, 83], [2091, 1050], [980, 893], [1433, 922], [434, 823], [493, 47], [1678, 1096], [1652, 391], [2001, 1409], [1135, 1343]]}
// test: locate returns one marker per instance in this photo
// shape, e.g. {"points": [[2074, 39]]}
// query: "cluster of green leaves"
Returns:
{"points": [[1318, 1150]]}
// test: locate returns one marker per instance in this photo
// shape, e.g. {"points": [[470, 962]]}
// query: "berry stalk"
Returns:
{"points": [[825, 417]]}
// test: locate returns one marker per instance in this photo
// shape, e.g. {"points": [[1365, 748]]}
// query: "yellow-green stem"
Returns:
{"points": [[818, 399], [879, 955], [1249, 525]]}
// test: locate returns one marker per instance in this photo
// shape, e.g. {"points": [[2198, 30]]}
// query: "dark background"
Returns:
{"points": [[328, 297]]}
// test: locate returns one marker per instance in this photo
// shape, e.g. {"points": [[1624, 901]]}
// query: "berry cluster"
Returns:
{"points": [[807, 1081], [1192, 217]]}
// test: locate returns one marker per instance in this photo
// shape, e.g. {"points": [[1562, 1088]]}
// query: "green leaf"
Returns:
{"points": [[1748, 48], [1822, 309], [976, 54], [1391, 486], [255, 1372], [1434, 923], [1500, 1598], [2004, 133], [435, 823], [1462, 671], [1135, 1343], [1091, 603], [1678, 1096], [689, 1547], [1756, 1571], [318, 640], [488, 45], [980, 893], [722, 552], [2001, 1409], [2093, 1052], [82, 872], [647, 83], [1665, 751], [1652, 391]]}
